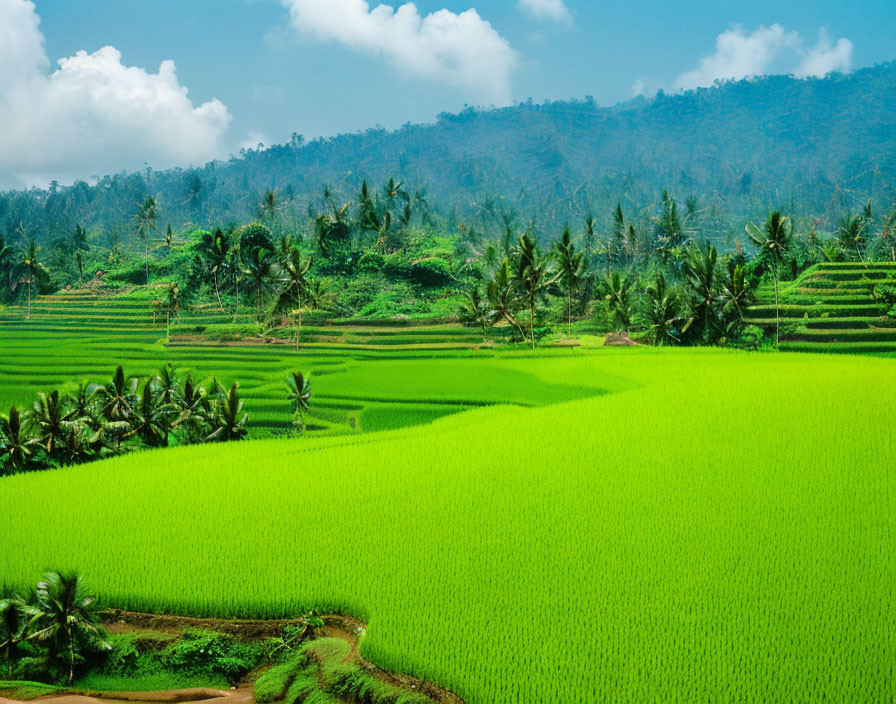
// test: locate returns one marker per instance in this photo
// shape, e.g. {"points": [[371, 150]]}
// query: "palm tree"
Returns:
{"points": [[172, 307], [700, 272], [216, 249], [297, 290], [774, 243], [15, 618], [51, 422], [228, 420], [734, 292], [116, 401], [661, 312], [68, 617], [192, 422], [145, 223], [167, 384], [152, 418], [474, 310], [260, 267], [533, 276], [30, 271], [571, 265], [617, 291], [299, 395], [17, 448], [851, 231], [503, 298]]}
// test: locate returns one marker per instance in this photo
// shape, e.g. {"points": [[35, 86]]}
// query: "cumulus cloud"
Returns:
{"points": [[553, 10], [462, 50], [93, 114], [825, 57], [741, 54]]}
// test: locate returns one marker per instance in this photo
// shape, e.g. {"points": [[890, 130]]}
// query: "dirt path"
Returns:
{"points": [[241, 695]]}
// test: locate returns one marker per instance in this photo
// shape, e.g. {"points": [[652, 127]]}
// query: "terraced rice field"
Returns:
{"points": [[574, 525], [79, 336], [830, 309]]}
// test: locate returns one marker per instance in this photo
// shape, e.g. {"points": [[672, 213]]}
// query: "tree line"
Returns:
{"points": [[104, 420], [657, 273]]}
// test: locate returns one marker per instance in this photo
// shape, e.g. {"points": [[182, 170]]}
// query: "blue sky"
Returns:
{"points": [[330, 67]]}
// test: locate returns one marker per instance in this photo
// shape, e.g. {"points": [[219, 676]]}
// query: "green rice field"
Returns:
{"points": [[570, 525]]}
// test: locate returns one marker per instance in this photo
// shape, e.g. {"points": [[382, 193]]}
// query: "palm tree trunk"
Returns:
{"points": [[71, 661], [146, 259], [28, 317], [777, 312], [259, 299], [532, 320], [569, 327], [217, 292]]}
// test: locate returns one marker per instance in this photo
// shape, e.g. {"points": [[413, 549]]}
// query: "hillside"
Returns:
{"points": [[742, 147]]}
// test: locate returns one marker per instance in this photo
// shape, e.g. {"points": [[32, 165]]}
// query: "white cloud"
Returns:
{"points": [[554, 10], [824, 57], [92, 115], [461, 49], [253, 139], [739, 55]]}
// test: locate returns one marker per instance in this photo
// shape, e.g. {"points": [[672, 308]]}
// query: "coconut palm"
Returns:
{"points": [[474, 310], [616, 290], [50, 422], [734, 292], [192, 421], [296, 290], [503, 298], [533, 276], [571, 264], [69, 618], [216, 249], [152, 418], [851, 231], [30, 271], [299, 396], [259, 263], [117, 398], [227, 417], [17, 448], [773, 241], [167, 384], [15, 618], [661, 312], [701, 275], [145, 223]]}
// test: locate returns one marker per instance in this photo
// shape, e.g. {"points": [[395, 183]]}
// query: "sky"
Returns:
{"points": [[98, 86]]}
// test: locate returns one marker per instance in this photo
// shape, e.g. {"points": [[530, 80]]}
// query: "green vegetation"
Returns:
{"points": [[104, 420], [325, 671], [672, 524], [738, 147]]}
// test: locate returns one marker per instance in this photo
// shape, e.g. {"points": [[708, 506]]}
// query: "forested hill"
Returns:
{"points": [[817, 146]]}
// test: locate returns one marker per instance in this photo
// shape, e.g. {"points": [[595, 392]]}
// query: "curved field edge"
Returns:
{"points": [[720, 528]]}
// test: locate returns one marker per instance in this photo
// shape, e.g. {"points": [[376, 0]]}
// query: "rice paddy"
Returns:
{"points": [[575, 525]]}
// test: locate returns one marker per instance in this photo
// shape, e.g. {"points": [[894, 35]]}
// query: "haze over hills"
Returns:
{"points": [[816, 147]]}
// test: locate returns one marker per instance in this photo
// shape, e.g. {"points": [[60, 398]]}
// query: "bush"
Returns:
{"points": [[205, 651], [749, 338]]}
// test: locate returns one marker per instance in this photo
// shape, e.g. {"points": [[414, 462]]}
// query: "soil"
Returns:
{"points": [[335, 626], [615, 339]]}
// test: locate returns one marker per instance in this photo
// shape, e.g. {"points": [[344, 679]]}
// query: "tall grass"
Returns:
{"points": [[719, 528]]}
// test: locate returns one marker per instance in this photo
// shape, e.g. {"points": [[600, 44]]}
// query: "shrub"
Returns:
{"points": [[205, 651]]}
